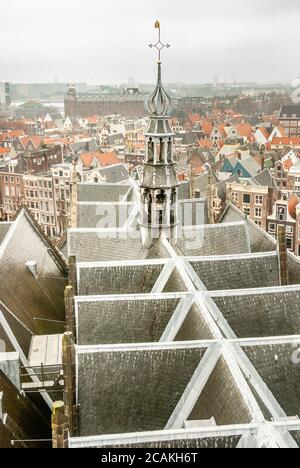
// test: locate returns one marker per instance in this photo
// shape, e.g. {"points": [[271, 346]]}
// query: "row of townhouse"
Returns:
{"points": [[47, 196]]}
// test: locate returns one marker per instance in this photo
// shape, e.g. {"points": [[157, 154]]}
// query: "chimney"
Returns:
{"points": [[59, 426], [70, 310], [262, 160], [68, 354], [283, 255]]}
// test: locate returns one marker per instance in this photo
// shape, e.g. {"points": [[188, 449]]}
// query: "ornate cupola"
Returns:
{"points": [[159, 183]]}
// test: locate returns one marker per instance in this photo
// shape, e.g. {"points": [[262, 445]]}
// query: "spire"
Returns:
{"points": [[159, 104], [159, 183]]}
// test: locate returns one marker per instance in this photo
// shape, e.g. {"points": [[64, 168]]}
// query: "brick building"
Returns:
{"points": [[84, 105], [11, 193], [284, 214], [255, 201], [39, 200], [289, 118], [47, 196], [293, 178]]}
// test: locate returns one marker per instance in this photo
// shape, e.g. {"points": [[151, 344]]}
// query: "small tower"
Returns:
{"points": [[159, 183]]}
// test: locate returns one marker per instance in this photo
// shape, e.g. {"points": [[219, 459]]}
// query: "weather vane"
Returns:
{"points": [[159, 46]]}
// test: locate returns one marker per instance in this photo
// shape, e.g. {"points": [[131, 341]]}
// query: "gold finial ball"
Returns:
{"points": [[157, 24]]}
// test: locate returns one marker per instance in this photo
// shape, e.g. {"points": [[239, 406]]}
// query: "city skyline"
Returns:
{"points": [[108, 43]]}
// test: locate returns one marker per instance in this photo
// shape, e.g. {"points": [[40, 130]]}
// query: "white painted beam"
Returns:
{"points": [[194, 388]]}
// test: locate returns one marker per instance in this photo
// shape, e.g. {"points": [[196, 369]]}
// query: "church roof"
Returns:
{"points": [[94, 192], [157, 318], [32, 268], [20, 419]]}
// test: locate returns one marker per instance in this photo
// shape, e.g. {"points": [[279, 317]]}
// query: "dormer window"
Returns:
{"points": [[281, 213]]}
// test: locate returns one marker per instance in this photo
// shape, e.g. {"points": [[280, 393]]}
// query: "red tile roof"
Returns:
{"points": [[293, 202], [104, 159], [108, 159], [204, 144], [11, 135], [4, 151], [207, 128], [286, 141], [194, 118], [244, 130], [288, 163], [35, 140], [93, 119]]}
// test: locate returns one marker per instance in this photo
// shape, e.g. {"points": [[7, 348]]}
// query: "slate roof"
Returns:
{"points": [[221, 186], [201, 183], [145, 405], [275, 366], [290, 110], [262, 312], [93, 245], [238, 272], [198, 335], [19, 418], [116, 139], [250, 165], [110, 215], [264, 179], [40, 297], [95, 320], [115, 174], [260, 241], [4, 228], [92, 192], [214, 240], [184, 191], [122, 279], [84, 146]]}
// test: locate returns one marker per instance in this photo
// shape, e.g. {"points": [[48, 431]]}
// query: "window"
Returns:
{"points": [[281, 213], [235, 197], [247, 199], [258, 213], [272, 227], [258, 199], [289, 243]]}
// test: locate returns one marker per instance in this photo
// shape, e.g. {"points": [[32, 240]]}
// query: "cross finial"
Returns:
{"points": [[159, 45]]}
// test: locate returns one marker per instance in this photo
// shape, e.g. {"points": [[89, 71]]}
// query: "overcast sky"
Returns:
{"points": [[99, 41]]}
